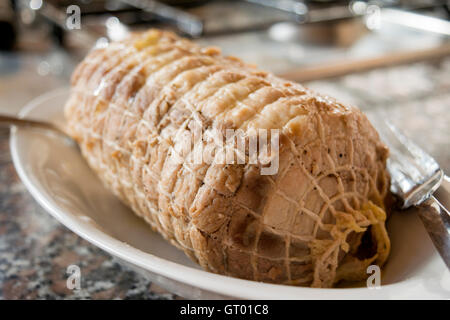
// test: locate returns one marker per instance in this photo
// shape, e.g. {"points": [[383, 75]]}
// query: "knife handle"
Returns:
{"points": [[442, 195], [437, 224]]}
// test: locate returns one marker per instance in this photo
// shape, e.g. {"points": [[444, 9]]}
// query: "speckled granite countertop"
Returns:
{"points": [[35, 249]]}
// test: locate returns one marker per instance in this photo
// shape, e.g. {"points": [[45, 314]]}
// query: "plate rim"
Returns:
{"points": [[229, 286]]}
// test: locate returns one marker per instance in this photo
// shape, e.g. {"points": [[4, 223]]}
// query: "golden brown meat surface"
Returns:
{"points": [[318, 220]]}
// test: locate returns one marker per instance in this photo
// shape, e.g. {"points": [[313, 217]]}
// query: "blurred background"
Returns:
{"points": [[301, 40], [384, 55], [373, 54]]}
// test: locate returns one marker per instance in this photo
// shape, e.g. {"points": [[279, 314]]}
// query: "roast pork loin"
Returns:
{"points": [[317, 220]]}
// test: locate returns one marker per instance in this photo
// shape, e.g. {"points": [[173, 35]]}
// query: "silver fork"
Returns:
{"points": [[415, 178]]}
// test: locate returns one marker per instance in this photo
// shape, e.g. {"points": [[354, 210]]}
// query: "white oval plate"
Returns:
{"points": [[59, 179]]}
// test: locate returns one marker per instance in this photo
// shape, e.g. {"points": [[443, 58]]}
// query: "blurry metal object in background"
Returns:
{"points": [[57, 18], [415, 20], [343, 22], [226, 17], [335, 26], [295, 7], [187, 23], [376, 17], [342, 32]]}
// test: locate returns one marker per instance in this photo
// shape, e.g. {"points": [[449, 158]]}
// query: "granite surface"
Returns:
{"points": [[35, 250]]}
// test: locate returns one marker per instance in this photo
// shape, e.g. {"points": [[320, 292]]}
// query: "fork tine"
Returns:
{"points": [[415, 175]]}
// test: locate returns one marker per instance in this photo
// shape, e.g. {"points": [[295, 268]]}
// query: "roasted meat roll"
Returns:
{"points": [[319, 218]]}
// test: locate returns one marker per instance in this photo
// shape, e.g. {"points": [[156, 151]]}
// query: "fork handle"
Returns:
{"points": [[442, 195], [7, 121], [437, 223]]}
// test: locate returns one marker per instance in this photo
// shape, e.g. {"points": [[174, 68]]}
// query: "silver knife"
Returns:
{"points": [[418, 182]]}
